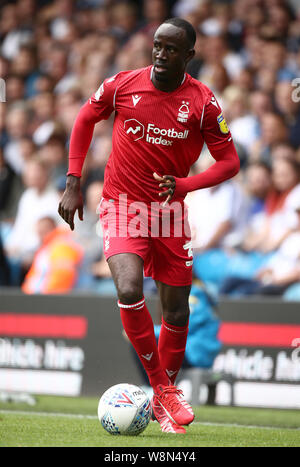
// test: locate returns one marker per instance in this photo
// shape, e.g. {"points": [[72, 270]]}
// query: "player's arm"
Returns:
{"points": [[81, 136], [98, 107], [71, 201], [220, 145], [227, 166]]}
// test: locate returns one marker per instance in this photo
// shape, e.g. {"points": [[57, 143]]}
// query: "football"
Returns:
{"points": [[124, 409]]}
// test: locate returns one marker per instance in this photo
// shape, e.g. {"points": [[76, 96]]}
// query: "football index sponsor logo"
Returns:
{"points": [[154, 135], [134, 129]]}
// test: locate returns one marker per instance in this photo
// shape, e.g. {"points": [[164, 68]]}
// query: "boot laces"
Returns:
{"points": [[173, 402]]}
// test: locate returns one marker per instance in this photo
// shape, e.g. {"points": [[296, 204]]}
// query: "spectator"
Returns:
{"points": [[12, 32], [279, 219], [274, 57], [154, 13], [11, 188], [89, 233], [224, 207], [283, 151], [258, 183], [4, 267], [290, 110], [17, 128], [25, 64], [43, 123], [273, 131], [260, 103], [56, 263], [266, 79], [15, 88], [280, 272], [39, 198], [100, 152], [219, 81], [124, 21], [243, 125], [216, 51], [53, 154]]}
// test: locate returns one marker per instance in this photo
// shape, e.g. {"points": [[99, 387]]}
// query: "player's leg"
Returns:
{"points": [[174, 329], [127, 273], [172, 271], [168, 401]]}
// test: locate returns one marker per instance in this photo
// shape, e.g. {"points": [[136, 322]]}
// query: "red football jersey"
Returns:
{"points": [[154, 131]]}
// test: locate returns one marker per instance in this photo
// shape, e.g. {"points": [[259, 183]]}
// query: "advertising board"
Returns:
{"points": [[73, 345]]}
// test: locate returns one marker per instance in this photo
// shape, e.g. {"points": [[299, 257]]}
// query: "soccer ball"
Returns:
{"points": [[124, 409]]}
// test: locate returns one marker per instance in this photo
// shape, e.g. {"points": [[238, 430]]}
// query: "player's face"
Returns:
{"points": [[170, 53]]}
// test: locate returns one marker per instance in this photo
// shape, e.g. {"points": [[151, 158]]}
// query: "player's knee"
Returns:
{"points": [[130, 293], [176, 315]]}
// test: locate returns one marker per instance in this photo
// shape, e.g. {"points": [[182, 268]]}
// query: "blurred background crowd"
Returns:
{"points": [[53, 57]]}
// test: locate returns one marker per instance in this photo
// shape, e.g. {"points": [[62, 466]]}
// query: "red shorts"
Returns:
{"points": [[160, 236]]}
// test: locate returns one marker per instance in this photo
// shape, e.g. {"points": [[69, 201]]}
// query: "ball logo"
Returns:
{"points": [[134, 129], [124, 399]]}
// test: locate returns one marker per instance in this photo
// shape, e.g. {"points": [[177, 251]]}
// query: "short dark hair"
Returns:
{"points": [[186, 26]]}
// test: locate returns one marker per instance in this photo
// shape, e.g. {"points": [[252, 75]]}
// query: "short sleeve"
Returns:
{"points": [[213, 124]]}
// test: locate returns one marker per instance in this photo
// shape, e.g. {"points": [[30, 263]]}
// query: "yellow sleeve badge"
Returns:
{"points": [[222, 123]]}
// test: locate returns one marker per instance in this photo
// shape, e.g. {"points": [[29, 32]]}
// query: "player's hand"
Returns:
{"points": [[71, 201], [168, 182]]}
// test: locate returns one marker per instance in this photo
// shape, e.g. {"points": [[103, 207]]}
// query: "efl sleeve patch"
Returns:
{"points": [[222, 124], [213, 124]]}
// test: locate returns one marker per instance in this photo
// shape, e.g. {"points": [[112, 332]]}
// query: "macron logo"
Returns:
{"points": [[136, 99], [148, 356], [171, 373], [214, 102]]}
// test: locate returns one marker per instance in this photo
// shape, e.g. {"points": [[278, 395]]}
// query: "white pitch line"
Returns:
{"points": [[94, 417], [47, 414]]}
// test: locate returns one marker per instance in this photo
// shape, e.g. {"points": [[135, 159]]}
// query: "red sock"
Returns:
{"points": [[138, 325], [171, 348]]}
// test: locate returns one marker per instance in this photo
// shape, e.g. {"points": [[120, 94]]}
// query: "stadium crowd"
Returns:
{"points": [[53, 57]]}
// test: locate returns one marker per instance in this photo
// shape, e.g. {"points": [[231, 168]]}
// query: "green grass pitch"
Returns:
{"points": [[73, 422]]}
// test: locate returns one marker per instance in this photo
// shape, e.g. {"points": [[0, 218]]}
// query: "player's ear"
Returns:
{"points": [[190, 55]]}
